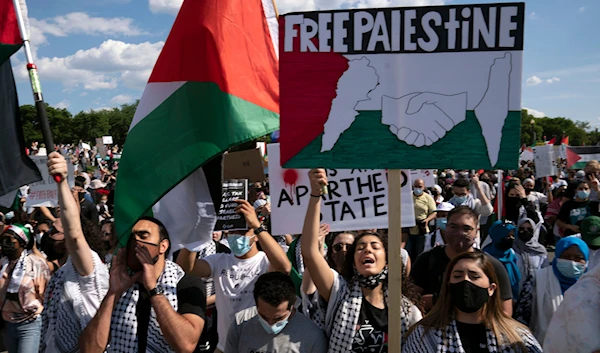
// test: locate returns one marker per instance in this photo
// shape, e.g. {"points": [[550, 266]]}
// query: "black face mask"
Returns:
{"points": [[505, 244], [528, 191], [513, 202], [81, 195], [9, 251], [525, 235], [468, 297]]}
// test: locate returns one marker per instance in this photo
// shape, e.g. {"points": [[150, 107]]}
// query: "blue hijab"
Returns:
{"points": [[498, 231], [561, 246]]}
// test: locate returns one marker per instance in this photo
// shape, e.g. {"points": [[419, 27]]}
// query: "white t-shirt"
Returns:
{"points": [[234, 281]]}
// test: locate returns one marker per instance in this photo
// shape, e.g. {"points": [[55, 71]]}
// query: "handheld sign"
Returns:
{"points": [[244, 165], [44, 192], [438, 86], [228, 219], [545, 161]]}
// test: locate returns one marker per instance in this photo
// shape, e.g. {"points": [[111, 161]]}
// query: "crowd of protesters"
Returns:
{"points": [[523, 277]]}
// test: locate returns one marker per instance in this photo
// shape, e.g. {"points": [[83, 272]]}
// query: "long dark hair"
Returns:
{"points": [[329, 241], [93, 235], [408, 288]]}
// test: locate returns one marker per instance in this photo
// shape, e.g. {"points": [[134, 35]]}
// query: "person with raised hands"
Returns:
{"points": [[353, 307], [235, 274], [77, 288]]}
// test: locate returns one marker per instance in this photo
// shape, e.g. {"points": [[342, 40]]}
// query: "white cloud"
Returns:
{"points": [[82, 23], [83, 94], [64, 104], [535, 113], [170, 7], [533, 16], [581, 9], [553, 79], [533, 80], [104, 67], [122, 99]]}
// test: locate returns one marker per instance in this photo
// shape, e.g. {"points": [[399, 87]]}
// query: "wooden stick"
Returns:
{"points": [[394, 260], [275, 7]]}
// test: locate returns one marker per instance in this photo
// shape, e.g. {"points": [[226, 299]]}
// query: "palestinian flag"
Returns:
{"points": [[379, 107], [10, 37], [215, 85]]}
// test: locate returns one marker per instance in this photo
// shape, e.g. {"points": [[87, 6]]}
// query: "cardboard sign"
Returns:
{"points": [[545, 161], [357, 198], [107, 140], [101, 148], [85, 146], [402, 88], [228, 219], [426, 174], [45, 192], [244, 165]]}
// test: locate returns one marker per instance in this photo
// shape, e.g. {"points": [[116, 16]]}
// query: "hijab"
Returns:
{"points": [[561, 246], [499, 231], [533, 246]]}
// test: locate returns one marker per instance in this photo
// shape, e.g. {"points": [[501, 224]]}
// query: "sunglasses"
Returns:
{"points": [[339, 247]]}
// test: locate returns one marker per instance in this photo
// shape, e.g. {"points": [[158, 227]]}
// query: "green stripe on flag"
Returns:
{"points": [[7, 50], [196, 123]]}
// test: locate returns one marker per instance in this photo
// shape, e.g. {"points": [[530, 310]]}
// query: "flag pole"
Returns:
{"points": [[275, 7], [38, 98]]}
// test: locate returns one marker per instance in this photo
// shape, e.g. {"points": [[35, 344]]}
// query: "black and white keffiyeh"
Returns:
{"points": [[124, 320], [18, 272], [447, 340], [371, 282], [339, 317], [209, 249], [64, 320], [299, 258]]}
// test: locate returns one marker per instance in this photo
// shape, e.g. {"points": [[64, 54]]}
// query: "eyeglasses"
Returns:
{"points": [[339, 247], [454, 228]]}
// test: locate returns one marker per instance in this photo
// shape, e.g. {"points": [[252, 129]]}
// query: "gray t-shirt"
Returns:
{"points": [[300, 335]]}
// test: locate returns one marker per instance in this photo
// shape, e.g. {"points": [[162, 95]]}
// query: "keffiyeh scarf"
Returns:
{"points": [[447, 340], [209, 249], [124, 320], [17, 274]]}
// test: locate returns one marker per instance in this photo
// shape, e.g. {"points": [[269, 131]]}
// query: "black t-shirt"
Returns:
{"points": [[573, 212], [428, 272], [473, 337], [191, 299], [372, 330]]}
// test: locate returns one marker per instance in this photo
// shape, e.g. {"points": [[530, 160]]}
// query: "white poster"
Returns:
{"points": [[107, 140], [357, 198], [425, 174], [45, 192], [545, 161]]}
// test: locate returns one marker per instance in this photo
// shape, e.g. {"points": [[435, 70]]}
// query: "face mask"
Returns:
{"points": [[568, 268], [132, 261], [239, 244], [418, 192], [460, 199], [525, 235], [38, 237], [275, 328], [505, 244], [441, 223], [371, 282], [583, 195], [10, 251], [81, 195], [467, 297], [528, 191]]}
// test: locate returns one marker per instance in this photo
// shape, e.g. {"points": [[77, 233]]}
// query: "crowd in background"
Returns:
{"points": [[477, 277]]}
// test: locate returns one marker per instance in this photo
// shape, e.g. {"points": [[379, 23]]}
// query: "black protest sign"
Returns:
{"points": [[228, 219]]}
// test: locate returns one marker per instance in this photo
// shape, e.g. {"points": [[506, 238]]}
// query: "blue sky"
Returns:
{"points": [[96, 54]]}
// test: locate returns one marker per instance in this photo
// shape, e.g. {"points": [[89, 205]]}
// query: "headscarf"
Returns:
{"points": [[20, 232], [533, 246], [561, 246], [498, 231]]}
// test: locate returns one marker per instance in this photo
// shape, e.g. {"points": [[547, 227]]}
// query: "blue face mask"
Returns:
{"points": [[418, 192], [570, 269], [441, 223], [583, 195], [460, 199], [239, 244], [275, 328]]}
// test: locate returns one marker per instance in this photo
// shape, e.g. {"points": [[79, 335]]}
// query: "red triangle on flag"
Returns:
{"points": [[565, 141], [552, 141], [572, 158]]}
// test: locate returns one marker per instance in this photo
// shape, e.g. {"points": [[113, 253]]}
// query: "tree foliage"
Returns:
{"points": [[550, 127], [85, 126]]}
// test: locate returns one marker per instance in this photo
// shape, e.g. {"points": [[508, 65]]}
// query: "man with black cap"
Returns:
{"points": [[23, 279]]}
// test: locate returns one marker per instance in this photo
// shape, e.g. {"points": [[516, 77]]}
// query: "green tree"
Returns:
{"points": [[576, 130], [60, 121], [528, 129]]}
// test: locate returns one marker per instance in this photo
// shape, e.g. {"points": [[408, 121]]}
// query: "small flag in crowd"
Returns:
{"points": [[215, 85]]}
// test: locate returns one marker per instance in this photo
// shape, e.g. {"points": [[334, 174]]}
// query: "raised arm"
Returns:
{"points": [[277, 257], [313, 258], [308, 286], [78, 248], [197, 267]]}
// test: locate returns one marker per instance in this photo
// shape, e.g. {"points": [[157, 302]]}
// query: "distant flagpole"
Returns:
{"points": [[35, 83]]}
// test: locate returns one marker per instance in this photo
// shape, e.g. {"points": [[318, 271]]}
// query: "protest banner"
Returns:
{"points": [[101, 148], [545, 161], [107, 140], [227, 218], [357, 199], [244, 165], [426, 174], [457, 104], [45, 192]]}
